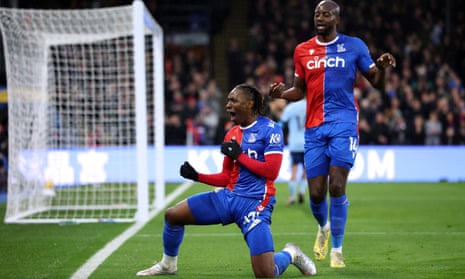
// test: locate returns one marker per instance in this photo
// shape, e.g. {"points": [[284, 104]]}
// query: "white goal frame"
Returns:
{"points": [[28, 200]]}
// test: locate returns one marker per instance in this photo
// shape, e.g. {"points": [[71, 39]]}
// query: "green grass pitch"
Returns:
{"points": [[398, 230]]}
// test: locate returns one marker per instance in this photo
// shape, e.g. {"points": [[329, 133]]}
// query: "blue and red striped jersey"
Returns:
{"points": [[329, 70], [261, 138]]}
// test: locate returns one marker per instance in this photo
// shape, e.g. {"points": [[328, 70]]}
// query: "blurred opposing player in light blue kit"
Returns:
{"points": [[253, 150], [325, 70], [293, 118]]}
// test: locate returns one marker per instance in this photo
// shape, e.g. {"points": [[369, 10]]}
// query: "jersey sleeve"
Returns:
{"points": [[274, 139], [299, 69], [364, 61], [268, 169], [220, 179]]}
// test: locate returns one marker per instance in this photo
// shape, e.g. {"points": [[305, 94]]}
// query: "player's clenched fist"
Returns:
{"points": [[231, 149], [386, 60], [276, 89], [187, 171]]}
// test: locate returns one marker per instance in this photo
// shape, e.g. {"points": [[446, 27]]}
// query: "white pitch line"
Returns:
{"points": [[313, 233], [98, 258]]}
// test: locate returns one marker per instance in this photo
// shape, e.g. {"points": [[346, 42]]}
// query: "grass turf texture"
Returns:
{"points": [[413, 230]]}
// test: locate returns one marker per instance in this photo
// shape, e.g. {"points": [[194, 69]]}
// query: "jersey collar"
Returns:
{"points": [[328, 43]]}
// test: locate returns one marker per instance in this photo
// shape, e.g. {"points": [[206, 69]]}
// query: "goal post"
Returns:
{"points": [[86, 114]]}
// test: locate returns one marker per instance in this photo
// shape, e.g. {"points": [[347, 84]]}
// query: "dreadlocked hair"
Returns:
{"points": [[259, 105]]}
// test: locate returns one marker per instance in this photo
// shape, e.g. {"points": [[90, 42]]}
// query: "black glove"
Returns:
{"points": [[231, 149], [187, 171]]}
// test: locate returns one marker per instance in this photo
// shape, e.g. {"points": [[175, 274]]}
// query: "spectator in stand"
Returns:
{"points": [[417, 131], [175, 130], [397, 129], [380, 130], [214, 95], [234, 59], [208, 120], [450, 129], [396, 123], [461, 130], [433, 129], [364, 131]]}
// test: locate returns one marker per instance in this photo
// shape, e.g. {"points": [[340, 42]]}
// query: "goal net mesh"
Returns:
{"points": [[72, 113]]}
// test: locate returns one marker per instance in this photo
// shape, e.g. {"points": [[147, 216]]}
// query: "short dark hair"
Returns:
{"points": [[259, 100]]}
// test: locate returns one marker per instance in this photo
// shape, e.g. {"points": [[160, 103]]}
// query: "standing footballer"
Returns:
{"points": [[325, 71]]}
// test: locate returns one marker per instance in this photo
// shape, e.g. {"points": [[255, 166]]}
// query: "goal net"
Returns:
{"points": [[85, 100]]}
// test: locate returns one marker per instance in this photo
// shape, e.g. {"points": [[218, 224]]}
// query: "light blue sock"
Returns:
{"points": [[303, 186], [282, 260], [320, 211], [292, 188], [338, 219], [172, 238]]}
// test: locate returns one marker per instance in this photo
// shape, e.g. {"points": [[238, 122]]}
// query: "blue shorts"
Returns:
{"points": [[297, 158], [330, 144], [224, 207]]}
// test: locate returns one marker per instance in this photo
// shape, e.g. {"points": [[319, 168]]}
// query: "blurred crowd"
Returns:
{"points": [[424, 99], [192, 99]]}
